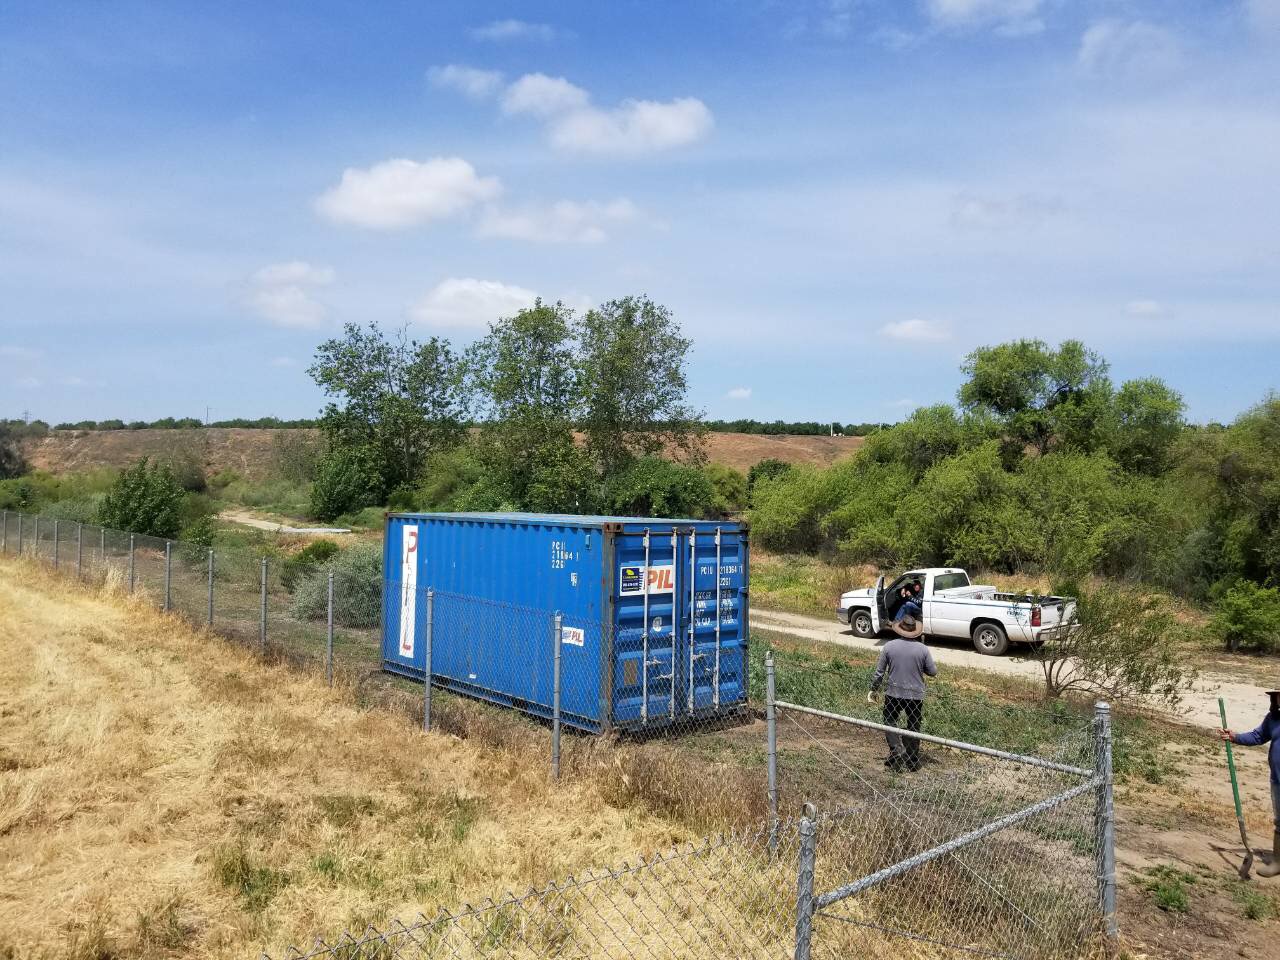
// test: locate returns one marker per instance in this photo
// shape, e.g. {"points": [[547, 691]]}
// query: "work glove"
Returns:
{"points": [[871, 696]]}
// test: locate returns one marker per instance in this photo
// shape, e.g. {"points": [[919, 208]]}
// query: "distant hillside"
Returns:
{"points": [[248, 451]]}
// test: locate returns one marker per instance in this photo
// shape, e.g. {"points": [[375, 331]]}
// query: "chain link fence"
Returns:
{"points": [[999, 844]]}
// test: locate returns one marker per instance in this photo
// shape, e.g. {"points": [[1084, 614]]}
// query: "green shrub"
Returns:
{"points": [[652, 487], [144, 499], [1247, 617], [357, 588], [75, 509], [304, 562], [728, 489], [768, 469], [188, 469], [345, 482]]}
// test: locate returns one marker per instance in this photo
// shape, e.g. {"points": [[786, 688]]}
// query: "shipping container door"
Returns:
{"points": [[647, 636], [713, 650]]}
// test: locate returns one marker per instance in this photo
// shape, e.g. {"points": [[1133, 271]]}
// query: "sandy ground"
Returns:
{"points": [[1246, 702], [247, 519]]}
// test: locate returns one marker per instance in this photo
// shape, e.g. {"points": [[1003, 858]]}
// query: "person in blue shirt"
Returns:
{"points": [[1267, 732]]}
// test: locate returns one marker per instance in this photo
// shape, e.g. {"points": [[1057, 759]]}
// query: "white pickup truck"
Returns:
{"points": [[954, 607]]}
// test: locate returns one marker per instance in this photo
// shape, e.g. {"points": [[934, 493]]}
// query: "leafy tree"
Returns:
{"points": [[928, 436], [397, 400], [728, 489], [145, 499], [1247, 617], [1041, 395], [631, 377], [1148, 421], [1123, 644], [12, 463], [527, 374], [654, 487], [346, 481], [766, 469]]}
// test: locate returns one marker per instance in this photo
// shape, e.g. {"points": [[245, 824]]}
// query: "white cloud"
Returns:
{"points": [[986, 211], [28, 382], [403, 193], [73, 381], [1145, 308], [632, 127], [294, 271], [566, 221], [467, 303], [282, 361], [636, 126], [920, 331], [1117, 47], [476, 84], [739, 393], [1008, 17], [544, 96], [281, 293], [503, 30]]}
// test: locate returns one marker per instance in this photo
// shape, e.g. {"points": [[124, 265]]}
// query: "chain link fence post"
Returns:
{"points": [[328, 640], [771, 723], [807, 861], [262, 619], [55, 543], [79, 551], [102, 548], [426, 661], [168, 573], [4, 531], [555, 701], [35, 537], [19, 533], [131, 565], [210, 613], [1105, 822]]}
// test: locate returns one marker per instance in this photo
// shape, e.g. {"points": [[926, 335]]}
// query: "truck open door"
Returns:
{"points": [[878, 616]]}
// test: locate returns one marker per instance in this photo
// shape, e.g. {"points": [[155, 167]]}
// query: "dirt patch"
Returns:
{"points": [[250, 452]]}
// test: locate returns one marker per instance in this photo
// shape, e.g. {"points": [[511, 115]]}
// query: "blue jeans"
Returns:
{"points": [[908, 606]]}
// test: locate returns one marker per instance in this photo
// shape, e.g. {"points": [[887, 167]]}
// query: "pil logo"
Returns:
{"points": [[661, 580]]}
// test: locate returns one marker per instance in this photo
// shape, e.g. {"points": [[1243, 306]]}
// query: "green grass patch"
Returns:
{"points": [[800, 584], [1168, 887], [256, 885], [1254, 903]]}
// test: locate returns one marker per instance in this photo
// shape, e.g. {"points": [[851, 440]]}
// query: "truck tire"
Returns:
{"points": [[990, 640], [860, 622]]}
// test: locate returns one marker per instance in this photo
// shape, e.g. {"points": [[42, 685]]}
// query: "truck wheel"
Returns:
{"points": [[990, 639], [860, 621]]}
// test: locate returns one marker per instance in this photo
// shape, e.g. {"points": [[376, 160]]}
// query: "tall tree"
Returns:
{"points": [[397, 401], [526, 373], [1043, 396], [1148, 421], [631, 375]]}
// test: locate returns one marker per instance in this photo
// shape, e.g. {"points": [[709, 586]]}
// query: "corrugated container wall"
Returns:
{"points": [[655, 612]]}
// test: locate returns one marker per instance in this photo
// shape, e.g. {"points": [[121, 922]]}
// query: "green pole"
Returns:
{"points": [[1235, 792]]}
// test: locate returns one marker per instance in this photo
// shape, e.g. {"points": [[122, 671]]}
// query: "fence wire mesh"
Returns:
{"points": [[970, 854]]}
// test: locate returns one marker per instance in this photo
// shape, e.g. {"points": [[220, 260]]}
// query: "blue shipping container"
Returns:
{"points": [[654, 612]]}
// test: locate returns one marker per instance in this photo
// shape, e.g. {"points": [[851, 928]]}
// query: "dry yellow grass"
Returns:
{"points": [[163, 793]]}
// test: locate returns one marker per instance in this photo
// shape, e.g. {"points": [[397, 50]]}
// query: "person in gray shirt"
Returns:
{"points": [[904, 663]]}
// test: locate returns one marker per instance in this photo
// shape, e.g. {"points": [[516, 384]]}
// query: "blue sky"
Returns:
{"points": [[838, 199]]}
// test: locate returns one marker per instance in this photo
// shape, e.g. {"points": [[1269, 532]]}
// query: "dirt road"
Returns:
{"points": [[1246, 702], [244, 518]]}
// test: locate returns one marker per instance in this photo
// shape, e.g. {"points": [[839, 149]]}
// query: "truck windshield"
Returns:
{"points": [[948, 581]]}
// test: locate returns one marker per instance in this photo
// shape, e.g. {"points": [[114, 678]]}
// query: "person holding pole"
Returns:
{"points": [[904, 663], [1267, 732]]}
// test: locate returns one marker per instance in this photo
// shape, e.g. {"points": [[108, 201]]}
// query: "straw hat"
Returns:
{"points": [[908, 627]]}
